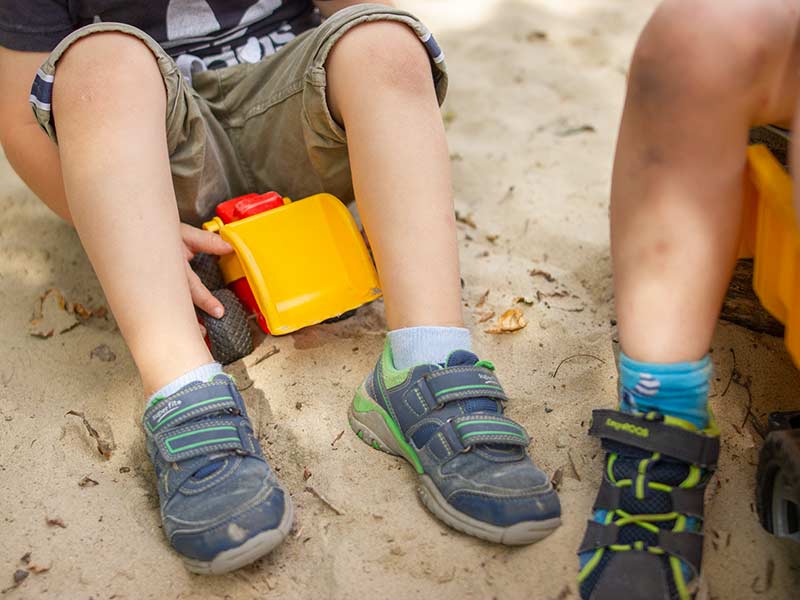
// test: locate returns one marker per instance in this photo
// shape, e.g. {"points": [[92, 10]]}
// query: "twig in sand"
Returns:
{"points": [[733, 371], [572, 464], [271, 352], [576, 356], [324, 500], [337, 438], [104, 447], [466, 220], [748, 414], [767, 579]]}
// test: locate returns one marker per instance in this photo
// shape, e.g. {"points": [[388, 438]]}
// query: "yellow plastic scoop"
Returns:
{"points": [[304, 261]]}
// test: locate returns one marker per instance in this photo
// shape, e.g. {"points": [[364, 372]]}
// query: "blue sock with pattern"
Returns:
{"points": [[675, 389]]}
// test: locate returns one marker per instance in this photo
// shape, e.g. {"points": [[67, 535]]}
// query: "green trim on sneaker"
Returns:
{"points": [[362, 403], [448, 422]]}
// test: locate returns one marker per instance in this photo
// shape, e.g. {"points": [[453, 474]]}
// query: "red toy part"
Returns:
{"points": [[236, 209], [247, 206], [241, 288]]}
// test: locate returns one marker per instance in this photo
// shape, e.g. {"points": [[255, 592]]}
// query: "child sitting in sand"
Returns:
{"points": [[702, 74], [145, 116]]}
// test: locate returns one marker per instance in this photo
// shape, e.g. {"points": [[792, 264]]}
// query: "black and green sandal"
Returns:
{"points": [[645, 539]]}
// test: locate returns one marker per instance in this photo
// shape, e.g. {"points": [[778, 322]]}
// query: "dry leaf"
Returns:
{"points": [[482, 300], [524, 300], [306, 473], [511, 320], [557, 478], [483, 316], [80, 310], [466, 220], [536, 36], [56, 522], [540, 273], [87, 482], [34, 568], [51, 315]]}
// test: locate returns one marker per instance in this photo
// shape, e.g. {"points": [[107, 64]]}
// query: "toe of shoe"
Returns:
{"points": [[630, 575], [205, 541], [506, 510]]}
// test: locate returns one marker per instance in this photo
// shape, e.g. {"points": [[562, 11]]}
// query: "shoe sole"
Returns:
{"points": [[253, 549], [377, 429]]}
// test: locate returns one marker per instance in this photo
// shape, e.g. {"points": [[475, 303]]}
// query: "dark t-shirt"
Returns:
{"points": [[197, 33]]}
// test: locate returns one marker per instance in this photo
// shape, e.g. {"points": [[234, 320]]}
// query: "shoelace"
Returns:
{"points": [[621, 518]]}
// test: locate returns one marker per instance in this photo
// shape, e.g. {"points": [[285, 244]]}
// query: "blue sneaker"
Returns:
{"points": [[474, 470], [221, 504]]}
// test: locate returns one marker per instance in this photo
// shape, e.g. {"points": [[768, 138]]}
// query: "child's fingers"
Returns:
{"points": [[203, 330], [200, 240], [202, 298]]}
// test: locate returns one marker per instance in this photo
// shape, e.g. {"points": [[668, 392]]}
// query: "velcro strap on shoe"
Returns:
{"points": [[199, 438], [686, 501], [459, 383], [686, 545], [655, 436], [489, 429], [598, 535], [191, 402]]}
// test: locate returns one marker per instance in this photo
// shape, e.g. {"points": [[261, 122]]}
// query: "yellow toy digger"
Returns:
{"points": [[294, 264]]}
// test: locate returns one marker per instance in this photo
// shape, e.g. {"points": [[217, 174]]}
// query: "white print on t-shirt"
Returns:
{"points": [[194, 23], [194, 19]]}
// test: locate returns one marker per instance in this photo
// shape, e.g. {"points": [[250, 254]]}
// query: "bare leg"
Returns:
{"points": [[380, 88], [115, 165], [703, 73]]}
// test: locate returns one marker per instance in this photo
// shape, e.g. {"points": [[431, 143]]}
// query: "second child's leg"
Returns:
{"points": [[702, 74], [677, 183]]}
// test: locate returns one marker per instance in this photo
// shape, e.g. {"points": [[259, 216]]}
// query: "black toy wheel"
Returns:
{"points": [[774, 138], [206, 266], [341, 317], [778, 484], [229, 336]]}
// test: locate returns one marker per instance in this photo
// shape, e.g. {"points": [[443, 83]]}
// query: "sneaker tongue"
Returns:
{"points": [[459, 358]]}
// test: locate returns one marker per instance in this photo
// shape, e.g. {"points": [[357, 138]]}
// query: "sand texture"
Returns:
{"points": [[536, 94]]}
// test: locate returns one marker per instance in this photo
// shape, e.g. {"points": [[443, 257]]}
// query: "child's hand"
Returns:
{"points": [[195, 241]]}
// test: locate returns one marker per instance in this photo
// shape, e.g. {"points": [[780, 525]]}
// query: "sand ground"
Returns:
{"points": [[537, 89]]}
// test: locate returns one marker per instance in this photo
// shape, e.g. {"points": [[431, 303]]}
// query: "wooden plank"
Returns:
{"points": [[741, 304]]}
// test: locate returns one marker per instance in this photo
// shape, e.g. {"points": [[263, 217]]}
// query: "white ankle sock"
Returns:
{"points": [[413, 346], [202, 373]]}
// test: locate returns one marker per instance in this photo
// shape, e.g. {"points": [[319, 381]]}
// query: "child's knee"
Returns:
{"points": [[710, 47], [388, 53], [100, 66]]}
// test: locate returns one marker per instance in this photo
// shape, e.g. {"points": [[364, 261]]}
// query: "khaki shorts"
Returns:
{"points": [[252, 127]]}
